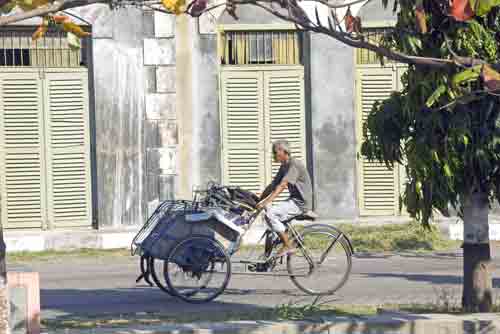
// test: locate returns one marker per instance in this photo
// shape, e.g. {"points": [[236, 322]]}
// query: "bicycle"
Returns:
{"points": [[199, 268]]}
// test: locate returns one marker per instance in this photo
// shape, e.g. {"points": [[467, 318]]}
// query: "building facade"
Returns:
{"points": [[154, 105]]}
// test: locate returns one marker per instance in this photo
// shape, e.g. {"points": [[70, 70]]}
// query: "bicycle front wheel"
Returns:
{"points": [[323, 263], [198, 269]]}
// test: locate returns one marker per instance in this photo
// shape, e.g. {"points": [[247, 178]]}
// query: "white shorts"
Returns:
{"points": [[280, 212]]}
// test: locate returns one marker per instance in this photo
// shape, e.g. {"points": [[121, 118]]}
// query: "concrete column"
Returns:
{"points": [[184, 102]]}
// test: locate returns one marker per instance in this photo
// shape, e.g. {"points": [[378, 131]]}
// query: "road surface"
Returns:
{"points": [[90, 286]]}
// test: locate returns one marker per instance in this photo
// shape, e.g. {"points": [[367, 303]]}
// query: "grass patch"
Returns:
{"points": [[396, 238]]}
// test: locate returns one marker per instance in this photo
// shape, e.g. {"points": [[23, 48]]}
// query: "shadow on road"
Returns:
{"points": [[124, 300], [82, 302], [434, 279], [436, 255]]}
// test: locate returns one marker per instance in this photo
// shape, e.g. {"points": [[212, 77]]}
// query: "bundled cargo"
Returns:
{"points": [[174, 221]]}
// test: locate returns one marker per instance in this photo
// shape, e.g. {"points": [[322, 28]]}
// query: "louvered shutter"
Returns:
{"points": [[284, 115], [68, 146], [243, 133], [379, 186], [21, 144]]}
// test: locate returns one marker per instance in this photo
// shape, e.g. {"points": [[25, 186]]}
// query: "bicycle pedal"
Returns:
{"points": [[258, 267]]}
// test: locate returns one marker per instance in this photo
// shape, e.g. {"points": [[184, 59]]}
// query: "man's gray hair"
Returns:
{"points": [[282, 144]]}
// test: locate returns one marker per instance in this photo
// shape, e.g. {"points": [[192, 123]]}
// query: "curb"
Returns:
{"points": [[389, 323]]}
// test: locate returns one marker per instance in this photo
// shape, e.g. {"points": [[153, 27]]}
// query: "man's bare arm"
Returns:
{"points": [[266, 193], [277, 191]]}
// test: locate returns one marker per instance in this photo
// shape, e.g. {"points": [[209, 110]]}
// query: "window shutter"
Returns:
{"points": [[284, 115], [21, 143], [379, 186], [68, 146], [243, 135]]}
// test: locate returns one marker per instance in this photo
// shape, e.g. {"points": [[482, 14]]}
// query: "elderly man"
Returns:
{"points": [[294, 176]]}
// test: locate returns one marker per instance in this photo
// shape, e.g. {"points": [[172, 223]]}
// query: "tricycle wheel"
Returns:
{"points": [[198, 269], [158, 264]]}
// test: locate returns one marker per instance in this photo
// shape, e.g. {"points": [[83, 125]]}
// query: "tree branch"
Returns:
{"points": [[206, 10], [355, 43], [295, 14], [53, 7]]}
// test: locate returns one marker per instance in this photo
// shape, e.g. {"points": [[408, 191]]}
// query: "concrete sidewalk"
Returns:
{"points": [[36, 241], [401, 323]]}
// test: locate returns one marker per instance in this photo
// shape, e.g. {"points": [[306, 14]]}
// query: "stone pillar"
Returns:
{"points": [[161, 117]]}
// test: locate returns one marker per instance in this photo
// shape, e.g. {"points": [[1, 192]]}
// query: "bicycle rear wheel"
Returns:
{"points": [[198, 269], [157, 266], [330, 253]]}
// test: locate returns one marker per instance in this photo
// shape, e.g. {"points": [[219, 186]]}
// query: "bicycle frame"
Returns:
{"points": [[248, 261]]}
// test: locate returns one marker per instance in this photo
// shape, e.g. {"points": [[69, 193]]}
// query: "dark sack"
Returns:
{"points": [[244, 196]]}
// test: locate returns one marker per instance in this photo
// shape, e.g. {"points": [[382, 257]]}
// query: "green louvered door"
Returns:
{"points": [[44, 149], [22, 182], [284, 115], [257, 108], [242, 129], [67, 143], [379, 187]]}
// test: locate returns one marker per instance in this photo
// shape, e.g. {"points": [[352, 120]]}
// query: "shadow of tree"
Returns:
{"points": [[429, 278], [424, 255]]}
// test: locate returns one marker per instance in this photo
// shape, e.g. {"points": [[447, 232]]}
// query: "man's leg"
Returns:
{"points": [[278, 213]]}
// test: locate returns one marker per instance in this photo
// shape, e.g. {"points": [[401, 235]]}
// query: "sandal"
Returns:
{"points": [[286, 252]]}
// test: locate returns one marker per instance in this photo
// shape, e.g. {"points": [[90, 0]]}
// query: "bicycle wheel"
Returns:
{"points": [[331, 255], [198, 269], [160, 280]]}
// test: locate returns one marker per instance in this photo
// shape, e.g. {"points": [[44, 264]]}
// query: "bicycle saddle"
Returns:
{"points": [[309, 215]]}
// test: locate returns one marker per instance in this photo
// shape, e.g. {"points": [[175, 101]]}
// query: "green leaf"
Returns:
{"points": [[414, 43], [8, 7], [73, 41], [447, 170], [418, 189], [435, 156], [452, 95], [436, 95], [483, 7], [477, 29], [465, 140], [467, 75]]}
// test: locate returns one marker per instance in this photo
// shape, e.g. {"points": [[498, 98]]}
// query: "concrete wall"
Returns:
{"points": [[140, 133], [135, 117], [333, 124], [333, 96]]}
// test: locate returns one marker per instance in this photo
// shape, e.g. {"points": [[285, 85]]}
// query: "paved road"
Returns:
{"points": [[89, 286]]}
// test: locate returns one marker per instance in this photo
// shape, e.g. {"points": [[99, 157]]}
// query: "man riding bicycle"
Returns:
{"points": [[294, 176]]}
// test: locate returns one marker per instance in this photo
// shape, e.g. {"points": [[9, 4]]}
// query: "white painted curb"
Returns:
{"points": [[456, 231], [382, 324]]}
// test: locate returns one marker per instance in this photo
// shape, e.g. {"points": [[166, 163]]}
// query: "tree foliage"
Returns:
{"points": [[444, 125]]}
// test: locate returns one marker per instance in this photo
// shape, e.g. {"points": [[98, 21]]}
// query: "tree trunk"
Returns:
{"points": [[477, 283]]}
